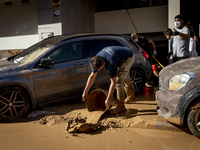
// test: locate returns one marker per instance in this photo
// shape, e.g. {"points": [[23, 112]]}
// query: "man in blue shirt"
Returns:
{"points": [[118, 60]]}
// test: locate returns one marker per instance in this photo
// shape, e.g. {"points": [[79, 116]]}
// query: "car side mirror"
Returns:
{"points": [[45, 62]]}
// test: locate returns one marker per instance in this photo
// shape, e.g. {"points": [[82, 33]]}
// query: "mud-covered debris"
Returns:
{"points": [[78, 124], [51, 120], [112, 123], [43, 121]]}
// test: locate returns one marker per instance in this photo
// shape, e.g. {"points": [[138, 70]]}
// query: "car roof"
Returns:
{"points": [[60, 38]]}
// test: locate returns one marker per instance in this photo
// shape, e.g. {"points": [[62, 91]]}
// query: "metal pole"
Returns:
{"points": [[139, 35]]}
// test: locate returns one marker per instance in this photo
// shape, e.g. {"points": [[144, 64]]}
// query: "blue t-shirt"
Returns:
{"points": [[114, 56]]}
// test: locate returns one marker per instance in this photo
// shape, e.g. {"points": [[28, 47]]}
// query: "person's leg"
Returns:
{"points": [[130, 93], [175, 59], [192, 48], [120, 100], [123, 72], [149, 83]]}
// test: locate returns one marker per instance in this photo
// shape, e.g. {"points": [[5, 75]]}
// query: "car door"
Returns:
{"points": [[66, 78]]}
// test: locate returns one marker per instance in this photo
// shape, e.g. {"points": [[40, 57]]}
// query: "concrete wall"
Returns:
{"points": [[22, 25], [45, 12], [47, 23], [173, 10], [77, 16], [18, 25], [148, 19]]}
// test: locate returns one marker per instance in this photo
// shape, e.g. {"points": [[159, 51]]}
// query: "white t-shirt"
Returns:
{"points": [[181, 46]]}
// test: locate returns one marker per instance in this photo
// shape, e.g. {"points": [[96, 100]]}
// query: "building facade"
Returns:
{"points": [[25, 22]]}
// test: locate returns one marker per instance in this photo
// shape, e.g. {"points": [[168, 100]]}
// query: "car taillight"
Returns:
{"points": [[145, 54]]}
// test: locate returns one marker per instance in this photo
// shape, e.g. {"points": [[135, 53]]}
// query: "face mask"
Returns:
{"points": [[135, 40], [177, 24]]}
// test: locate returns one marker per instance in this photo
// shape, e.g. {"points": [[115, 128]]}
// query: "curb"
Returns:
{"points": [[162, 125]]}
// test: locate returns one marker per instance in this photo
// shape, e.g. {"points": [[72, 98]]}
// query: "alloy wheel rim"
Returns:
{"points": [[11, 103], [197, 120], [136, 80]]}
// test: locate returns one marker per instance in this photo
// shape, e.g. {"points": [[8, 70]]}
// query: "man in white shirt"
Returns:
{"points": [[181, 40]]}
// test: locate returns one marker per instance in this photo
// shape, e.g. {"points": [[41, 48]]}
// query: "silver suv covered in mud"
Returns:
{"points": [[178, 97], [57, 68]]}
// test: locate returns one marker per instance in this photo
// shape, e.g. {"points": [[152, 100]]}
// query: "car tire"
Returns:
{"points": [[193, 120], [137, 79], [14, 103]]}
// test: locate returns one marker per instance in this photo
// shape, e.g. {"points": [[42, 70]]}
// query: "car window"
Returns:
{"points": [[96, 45], [33, 52], [66, 52], [116, 43], [133, 43]]}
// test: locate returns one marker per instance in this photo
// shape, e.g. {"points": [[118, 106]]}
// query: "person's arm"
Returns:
{"points": [[153, 46], [111, 91], [171, 48], [196, 39], [155, 70], [171, 44], [185, 36], [89, 83]]}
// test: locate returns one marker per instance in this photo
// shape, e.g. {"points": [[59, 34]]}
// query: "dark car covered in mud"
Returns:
{"points": [[178, 97], [57, 68]]}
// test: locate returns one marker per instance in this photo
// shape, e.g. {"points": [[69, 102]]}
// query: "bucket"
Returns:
{"points": [[96, 100]]}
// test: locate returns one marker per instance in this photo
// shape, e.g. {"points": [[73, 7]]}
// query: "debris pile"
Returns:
{"points": [[79, 124]]}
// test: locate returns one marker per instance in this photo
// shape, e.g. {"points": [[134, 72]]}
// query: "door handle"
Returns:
{"points": [[78, 63]]}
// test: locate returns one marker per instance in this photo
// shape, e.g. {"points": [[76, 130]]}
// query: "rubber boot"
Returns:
{"points": [[120, 102], [130, 94]]}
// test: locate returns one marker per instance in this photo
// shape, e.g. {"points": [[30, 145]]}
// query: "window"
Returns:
{"points": [[97, 45], [116, 43], [131, 41], [66, 52]]}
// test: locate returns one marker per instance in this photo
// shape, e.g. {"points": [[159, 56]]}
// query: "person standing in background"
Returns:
{"points": [[193, 40], [145, 43], [169, 35], [180, 39]]}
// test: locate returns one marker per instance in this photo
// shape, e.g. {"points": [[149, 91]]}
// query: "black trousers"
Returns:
{"points": [[175, 59]]}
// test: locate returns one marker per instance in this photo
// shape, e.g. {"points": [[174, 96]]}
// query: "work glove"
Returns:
{"points": [[154, 53], [176, 32]]}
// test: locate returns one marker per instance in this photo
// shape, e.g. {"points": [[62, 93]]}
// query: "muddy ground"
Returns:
{"points": [[45, 128]]}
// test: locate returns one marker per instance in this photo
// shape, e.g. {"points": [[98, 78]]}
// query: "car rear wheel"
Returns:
{"points": [[137, 79], [14, 103], [194, 120]]}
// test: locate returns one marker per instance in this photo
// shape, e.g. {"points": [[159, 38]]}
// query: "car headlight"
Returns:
{"points": [[179, 81]]}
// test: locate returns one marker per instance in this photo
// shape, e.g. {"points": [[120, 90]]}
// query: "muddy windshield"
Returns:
{"points": [[33, 52]]}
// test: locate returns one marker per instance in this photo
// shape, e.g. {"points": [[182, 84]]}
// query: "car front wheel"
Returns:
{"points": [[14, 103], [193, 120], [137, 79]]}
